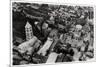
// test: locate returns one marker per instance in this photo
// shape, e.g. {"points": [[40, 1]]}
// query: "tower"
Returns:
{"points": [[28, 31]]}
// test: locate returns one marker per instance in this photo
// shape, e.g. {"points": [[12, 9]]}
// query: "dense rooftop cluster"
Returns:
{"points": [[66, 32]]}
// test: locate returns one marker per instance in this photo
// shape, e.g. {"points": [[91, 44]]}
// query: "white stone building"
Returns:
{"points": [[28, 31], [45, 47]]}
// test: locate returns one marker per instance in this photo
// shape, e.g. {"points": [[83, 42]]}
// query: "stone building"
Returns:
{"points": [[29, 32]]}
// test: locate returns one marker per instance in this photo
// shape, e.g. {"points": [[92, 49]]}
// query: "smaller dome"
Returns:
{"points": [[79, 27], [36, 22]]}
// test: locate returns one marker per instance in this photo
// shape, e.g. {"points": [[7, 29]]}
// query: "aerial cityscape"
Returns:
{"points": [[50, 33]]}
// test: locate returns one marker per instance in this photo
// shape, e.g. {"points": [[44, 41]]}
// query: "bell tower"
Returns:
{"points": [[28, 31]]}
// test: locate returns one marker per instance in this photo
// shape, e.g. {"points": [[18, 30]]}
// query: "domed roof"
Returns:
{"points": [[78, 26]]}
